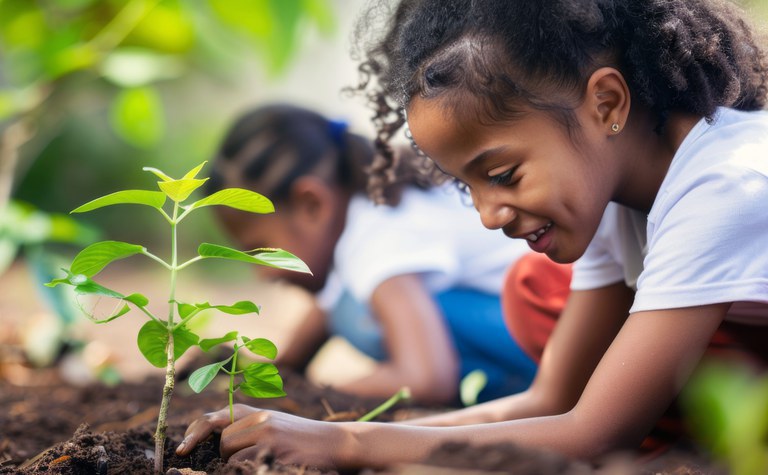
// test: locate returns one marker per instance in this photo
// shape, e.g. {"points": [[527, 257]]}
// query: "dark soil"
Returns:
{"points": [[53, 427]]}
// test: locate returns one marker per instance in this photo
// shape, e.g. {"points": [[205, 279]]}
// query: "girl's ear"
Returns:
{"points": [[313, 201], [608, 99]]}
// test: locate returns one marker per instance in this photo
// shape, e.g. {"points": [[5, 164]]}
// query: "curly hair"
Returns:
{"points": [[676, 55]]}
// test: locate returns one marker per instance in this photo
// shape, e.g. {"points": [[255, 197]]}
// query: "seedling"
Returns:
{"points": [[163, 340], [403, 394], [259, 380]]}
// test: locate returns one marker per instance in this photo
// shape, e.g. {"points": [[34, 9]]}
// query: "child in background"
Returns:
{"points": [[414, 285], [624, 135]]}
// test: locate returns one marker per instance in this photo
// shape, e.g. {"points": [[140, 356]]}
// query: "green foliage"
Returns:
{"points": [[258, 380], [102, 82], [163, 340], [726, 405], [23, 226]]}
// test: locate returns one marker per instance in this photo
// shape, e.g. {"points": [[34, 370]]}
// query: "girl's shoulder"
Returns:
{"points": [[716, 156]]}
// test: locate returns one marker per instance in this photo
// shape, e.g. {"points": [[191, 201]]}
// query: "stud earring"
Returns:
{"points": [[615, 127]]}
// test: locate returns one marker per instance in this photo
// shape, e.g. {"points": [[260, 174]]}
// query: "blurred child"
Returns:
{"points": [[414, 285]]}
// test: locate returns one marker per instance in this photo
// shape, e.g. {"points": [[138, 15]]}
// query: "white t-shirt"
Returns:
{"points": [[436, 233], [705, 239]]}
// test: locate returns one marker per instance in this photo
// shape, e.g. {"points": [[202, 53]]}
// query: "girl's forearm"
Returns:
{"points": [[517, 406], [384, 444]]}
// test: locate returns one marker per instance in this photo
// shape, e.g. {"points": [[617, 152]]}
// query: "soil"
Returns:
{"points": [[49, 426]]}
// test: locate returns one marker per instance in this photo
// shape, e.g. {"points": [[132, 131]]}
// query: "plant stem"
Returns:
{"points": [[232, 386], [162, 425], [170, 367], [404, 393]]}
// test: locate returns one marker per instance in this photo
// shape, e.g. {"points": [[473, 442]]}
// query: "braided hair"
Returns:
{"points": [[269, 148], [494, 58]]}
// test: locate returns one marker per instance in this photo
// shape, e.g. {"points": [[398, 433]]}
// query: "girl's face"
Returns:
{"points": [[281, 230], [528, 178]]}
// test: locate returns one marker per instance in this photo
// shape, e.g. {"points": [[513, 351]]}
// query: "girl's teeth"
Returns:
{"points": [[533, 237]]}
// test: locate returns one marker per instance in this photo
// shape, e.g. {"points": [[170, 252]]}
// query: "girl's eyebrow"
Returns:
{"points": [[482, 156]]}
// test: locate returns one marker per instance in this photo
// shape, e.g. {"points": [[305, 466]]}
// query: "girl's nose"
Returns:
{"points": [[494, 213]]}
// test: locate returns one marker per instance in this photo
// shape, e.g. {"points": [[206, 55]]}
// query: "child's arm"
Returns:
{"points": [[305, 341], [421, 354], [634, 382], [589, 322]]}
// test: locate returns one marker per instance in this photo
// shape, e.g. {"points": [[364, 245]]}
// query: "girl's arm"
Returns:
{"points": [[635, 381], [306, 339], [589, 322], [641, 372], [421, 353]]}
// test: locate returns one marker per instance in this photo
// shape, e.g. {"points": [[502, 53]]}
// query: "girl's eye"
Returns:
{"points": [[503, 179]]}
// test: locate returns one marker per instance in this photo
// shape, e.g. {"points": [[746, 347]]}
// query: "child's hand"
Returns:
{"points": [[289, 439], [201, 428]]}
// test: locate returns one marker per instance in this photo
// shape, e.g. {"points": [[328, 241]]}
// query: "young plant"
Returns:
{"points": [[163, 340], [259, 380]]}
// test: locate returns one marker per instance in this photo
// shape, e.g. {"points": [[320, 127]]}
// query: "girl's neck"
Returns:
{"points": [[649, 155]]}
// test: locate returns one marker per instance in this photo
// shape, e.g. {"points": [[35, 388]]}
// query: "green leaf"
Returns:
{"points": [[261, 389], [276, 258], [262, 380], [238, 308], [237, 198], [137, 116], [155, 199], [153, 340], [209, 343], [179, 190], [193, 173], [138, 300], [84, 285], [158, 173], [202, 377], [262, 347], [91, 260]]}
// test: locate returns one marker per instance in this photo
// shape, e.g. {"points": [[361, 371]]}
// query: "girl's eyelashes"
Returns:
{"points": [[503, 179]]}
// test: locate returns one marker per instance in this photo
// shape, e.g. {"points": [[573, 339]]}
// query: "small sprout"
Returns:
{"points": [[259, 380], [403, 394], [471, 385], [162, 340]]}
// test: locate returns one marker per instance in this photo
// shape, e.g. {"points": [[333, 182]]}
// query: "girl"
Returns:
{"points": [[415, 286], [626, 136]]}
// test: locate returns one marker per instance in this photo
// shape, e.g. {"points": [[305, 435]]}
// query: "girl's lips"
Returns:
{"points": [[534, 236], [540, 240]]}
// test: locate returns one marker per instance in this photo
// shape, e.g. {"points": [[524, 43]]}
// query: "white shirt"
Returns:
{"points": [[436, 233], [706, 236]]}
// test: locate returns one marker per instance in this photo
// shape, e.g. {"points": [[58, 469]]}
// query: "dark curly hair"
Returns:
{"points": [[676, 55]]}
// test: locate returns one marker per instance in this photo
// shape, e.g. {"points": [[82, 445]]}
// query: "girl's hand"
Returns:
{"points": [[202, 428], [288, 439]]}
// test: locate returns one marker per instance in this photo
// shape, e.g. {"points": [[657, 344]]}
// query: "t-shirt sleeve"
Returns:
{"points": [[709, 246], [382, 242], [599, 266]]}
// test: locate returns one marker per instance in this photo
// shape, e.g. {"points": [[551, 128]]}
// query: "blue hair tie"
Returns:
{"points": [[337, 129]]}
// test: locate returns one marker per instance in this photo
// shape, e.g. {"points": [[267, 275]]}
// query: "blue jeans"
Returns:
{"points": [[476, 326]]}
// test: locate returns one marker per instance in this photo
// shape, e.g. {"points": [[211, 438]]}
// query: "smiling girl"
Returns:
{"points": [[626, 136]]}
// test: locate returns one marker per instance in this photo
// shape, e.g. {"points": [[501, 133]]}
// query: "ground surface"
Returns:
{"points": [[58, 420], [53, 427]]}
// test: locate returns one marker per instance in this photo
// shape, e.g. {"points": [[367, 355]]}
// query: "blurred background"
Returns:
{"points": [[91, 91]]}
